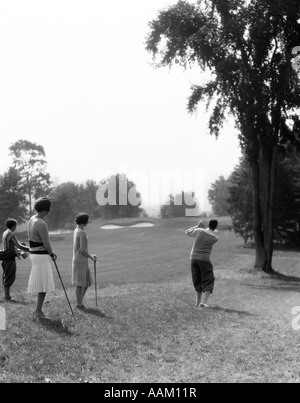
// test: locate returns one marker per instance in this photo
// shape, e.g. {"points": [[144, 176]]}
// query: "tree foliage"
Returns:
{"points": [[247, 46], [69, 199], [287, 206], [240, 200], [218, 195], [123, 198], [177, 206], [11, 198], [29, 159]]}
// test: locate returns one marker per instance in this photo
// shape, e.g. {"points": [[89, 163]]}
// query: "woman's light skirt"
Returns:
{"points": [[82, 276], [41, 277]]}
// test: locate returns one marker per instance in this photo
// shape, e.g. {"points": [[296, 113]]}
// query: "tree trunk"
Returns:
{"points": [[30, 203], [261, 257], [267, 182], [29, 196], [269, 243], [263, 177]]}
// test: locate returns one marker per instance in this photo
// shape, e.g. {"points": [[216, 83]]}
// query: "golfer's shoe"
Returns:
{"points": [[204, 306], [38, 315], [81, 308], [9, 300]]}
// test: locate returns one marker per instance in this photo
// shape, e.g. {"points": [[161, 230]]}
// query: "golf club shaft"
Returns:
{"points": [[64, 288], [96, 292]]}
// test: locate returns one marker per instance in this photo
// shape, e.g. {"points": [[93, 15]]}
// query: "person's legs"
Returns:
{"points": [[208, 282], [196, 275], [40, 302], [205, 297], [198, 298], [81, 277], [84, 291], [79, 294], [7, 296], [9, 276]]}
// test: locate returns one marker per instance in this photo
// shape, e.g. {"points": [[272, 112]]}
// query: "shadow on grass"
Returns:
{"points": [[275, 276], [281, 287], [279, 282], [284, 277], [219, 309], [14, 302], [55, 326], [96, 312]]}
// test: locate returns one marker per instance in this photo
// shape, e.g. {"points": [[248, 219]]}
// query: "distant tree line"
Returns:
{"points": [[70, 198], [28, 179], [176, 206]]}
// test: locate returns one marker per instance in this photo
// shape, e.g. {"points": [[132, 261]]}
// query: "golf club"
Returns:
{"points": [[96, 292], [64, 288]]}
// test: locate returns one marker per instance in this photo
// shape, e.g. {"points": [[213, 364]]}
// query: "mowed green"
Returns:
{"points": [[146, 328], [129, 255]]}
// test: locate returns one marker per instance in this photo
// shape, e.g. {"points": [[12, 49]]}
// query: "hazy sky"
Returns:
{"points": [[75, 77]]}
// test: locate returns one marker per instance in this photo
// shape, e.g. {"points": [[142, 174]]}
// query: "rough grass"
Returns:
{"points": [[147, 329]]}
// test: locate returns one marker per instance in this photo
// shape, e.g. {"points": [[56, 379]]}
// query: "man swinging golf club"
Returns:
{"points": [[202, 269]]}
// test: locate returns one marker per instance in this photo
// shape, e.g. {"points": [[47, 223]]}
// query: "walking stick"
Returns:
{"points": [[64, 289], [96, 291]]}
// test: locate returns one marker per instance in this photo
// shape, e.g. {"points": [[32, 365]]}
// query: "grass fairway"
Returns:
{"points": [[146, 329]]}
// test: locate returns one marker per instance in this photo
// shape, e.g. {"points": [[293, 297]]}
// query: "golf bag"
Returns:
{"points": [[7, 255]]}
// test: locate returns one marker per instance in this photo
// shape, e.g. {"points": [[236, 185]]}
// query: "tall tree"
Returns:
{"points": [[240, 200], [69, 199], [247, 46], [287, 206], [167, 209], [29, 159], [88, 202], [65, 198], [218, 195], [119, 198], [11, 198]]}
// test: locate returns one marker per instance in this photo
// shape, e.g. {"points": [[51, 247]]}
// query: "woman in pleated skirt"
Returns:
{"points": [[41, 280]]}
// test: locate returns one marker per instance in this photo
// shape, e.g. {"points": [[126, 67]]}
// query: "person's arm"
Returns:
{"points": [[84, 247], [18, 245], [193, 232], [202, 225], [44, 234]]}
